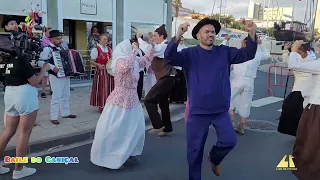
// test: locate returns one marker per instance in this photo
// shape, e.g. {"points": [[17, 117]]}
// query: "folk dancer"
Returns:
{"points": [[207, 71], [160, 92], [179, 91], [242, 85], [224, 42], [120, 131], [292, 107], [150, 76], [60, 102], [103, 82], [307, 145]]}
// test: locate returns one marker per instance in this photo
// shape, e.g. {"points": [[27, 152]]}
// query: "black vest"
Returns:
{"points": [[51, 61]]}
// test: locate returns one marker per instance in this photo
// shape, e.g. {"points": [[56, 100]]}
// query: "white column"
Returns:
{"points": [[60, 15], [45, 9], [114, 24], [55, 14], [169, 18]]}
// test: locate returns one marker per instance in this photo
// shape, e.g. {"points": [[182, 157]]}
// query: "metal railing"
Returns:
{"points": [[281, 83]]}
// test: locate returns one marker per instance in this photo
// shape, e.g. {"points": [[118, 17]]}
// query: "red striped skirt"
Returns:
{"points": [[102, 86]]}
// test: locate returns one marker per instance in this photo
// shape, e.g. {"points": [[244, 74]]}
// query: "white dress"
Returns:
{"points": [[150, 81], [120, 130]]}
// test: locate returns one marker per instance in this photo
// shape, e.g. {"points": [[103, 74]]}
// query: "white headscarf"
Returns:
{"points": [[122, 51]]}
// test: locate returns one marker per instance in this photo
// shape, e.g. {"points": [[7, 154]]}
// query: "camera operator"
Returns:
{"points": [[9, 24], [60, 85], [21, 103]]}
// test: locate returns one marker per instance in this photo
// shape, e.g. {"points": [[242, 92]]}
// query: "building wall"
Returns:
{"points": [[317, 22], [146, 12], [92, 10], [277, 14], [15, 7], [255, 11]]}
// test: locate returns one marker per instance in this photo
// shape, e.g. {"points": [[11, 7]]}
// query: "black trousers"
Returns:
{"points": [[140, 85], [292, 109], [159, 94], [179, 91]]}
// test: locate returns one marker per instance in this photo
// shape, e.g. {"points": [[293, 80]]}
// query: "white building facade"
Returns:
{"points": [[75, 17]]}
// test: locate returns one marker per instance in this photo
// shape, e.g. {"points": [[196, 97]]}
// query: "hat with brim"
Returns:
{"points": [[6, 20], [204, 22], [55, 33]]}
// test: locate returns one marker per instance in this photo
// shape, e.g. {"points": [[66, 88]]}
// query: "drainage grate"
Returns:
{"points": [[261, 126]]}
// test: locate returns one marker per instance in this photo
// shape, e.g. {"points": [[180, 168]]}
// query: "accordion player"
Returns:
{"points": [[69, 63]]}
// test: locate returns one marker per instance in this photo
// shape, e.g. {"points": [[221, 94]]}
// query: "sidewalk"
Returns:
{"points": [[47, 135]]}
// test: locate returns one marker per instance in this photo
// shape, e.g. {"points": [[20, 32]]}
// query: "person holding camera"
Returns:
{"points": [[60, 85], [21, 103]]}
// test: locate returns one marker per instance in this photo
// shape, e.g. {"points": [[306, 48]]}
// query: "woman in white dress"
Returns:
{"points": [[120, 131]]}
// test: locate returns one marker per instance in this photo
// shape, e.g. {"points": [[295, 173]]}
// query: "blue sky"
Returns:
{"points": [[239, 8]]}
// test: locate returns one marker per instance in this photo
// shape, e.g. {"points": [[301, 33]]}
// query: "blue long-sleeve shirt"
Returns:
{"points": [[207, 73]]}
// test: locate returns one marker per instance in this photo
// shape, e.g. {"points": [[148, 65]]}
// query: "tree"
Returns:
{"points": [[177, 5], [226, 20]]}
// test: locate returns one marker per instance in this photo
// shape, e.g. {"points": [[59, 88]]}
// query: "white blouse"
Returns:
{"points": [[311, 87], [94, 51]]}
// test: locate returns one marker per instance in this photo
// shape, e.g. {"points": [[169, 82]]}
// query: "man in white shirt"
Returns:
{"points": [[243, 85], [160, 92], [60, 85]]}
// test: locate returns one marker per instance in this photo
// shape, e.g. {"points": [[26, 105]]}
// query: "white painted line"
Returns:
{"points": [[265, 101], [280, 110]]}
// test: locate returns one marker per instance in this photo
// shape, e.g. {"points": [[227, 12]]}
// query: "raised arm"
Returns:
{"points": [[265, 53], [146, 59], [144, 46], [309, 66], [173, 57], [247, 53], [124, 65], [241, 55]]}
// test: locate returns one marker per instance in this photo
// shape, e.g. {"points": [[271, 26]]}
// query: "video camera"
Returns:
{"points": [[25, 44]]}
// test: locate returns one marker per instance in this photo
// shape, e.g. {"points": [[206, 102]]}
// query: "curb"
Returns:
{"points": [[48, 145]]}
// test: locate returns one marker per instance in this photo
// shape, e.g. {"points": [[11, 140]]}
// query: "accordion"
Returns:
{"points": [[69, 63]]}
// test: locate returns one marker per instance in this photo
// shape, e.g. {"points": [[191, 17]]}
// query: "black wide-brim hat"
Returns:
{"points": [[55, 33], [204, 22], [6, 20]]}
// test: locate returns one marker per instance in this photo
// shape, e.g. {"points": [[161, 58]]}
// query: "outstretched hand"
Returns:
{"points": [[250, 27]]}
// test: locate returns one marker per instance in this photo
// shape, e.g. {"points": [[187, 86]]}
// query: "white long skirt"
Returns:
{"points": [[120, 133], [150, 82]]}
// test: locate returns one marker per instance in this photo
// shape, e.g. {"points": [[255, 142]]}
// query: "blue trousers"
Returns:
{"points": [[197, 132]]}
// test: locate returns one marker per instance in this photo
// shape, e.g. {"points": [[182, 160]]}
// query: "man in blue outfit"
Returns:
{"points": [[207, 71]]}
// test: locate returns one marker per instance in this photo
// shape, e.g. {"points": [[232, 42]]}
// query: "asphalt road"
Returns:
{"points": [[254, 158]]}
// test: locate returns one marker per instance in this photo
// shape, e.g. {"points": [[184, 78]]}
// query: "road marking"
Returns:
{"points": [[279, 110], [265, 101]]}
